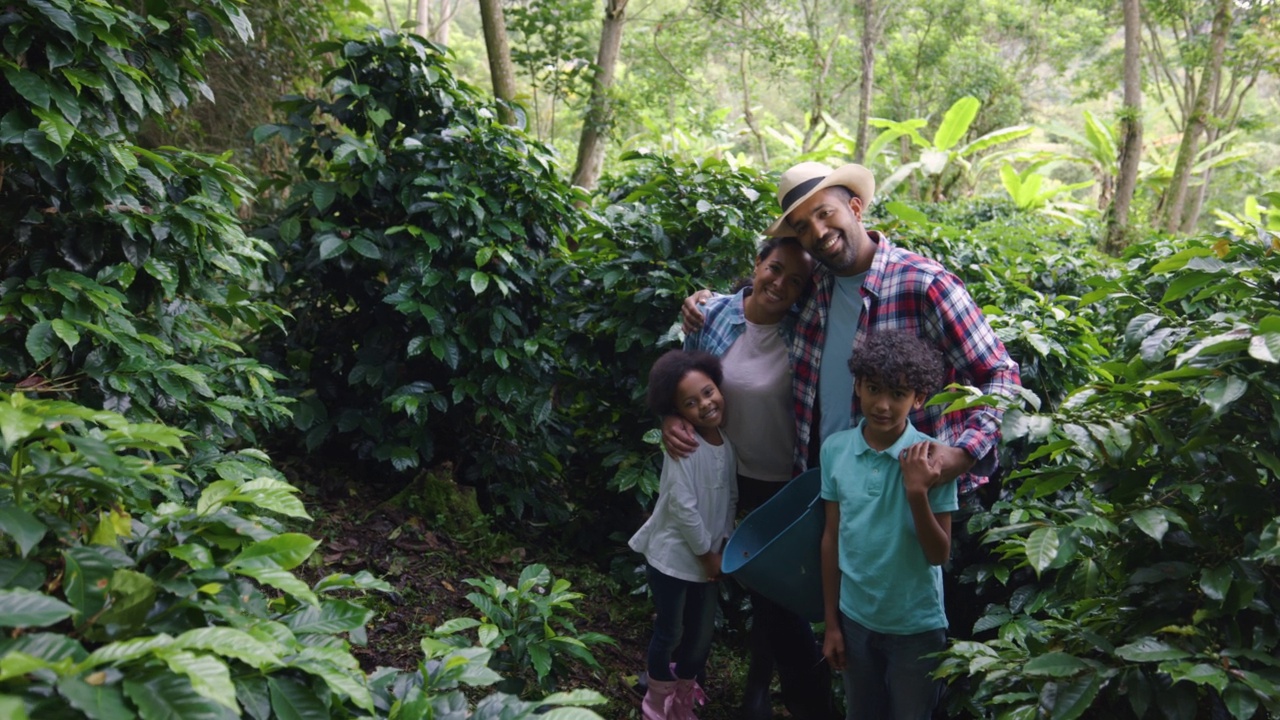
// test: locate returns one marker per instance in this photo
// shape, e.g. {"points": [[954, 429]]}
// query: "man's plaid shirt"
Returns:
{"points": [[906, 291]]}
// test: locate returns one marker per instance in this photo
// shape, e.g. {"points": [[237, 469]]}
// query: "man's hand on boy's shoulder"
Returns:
{"points": [[952, 462]]}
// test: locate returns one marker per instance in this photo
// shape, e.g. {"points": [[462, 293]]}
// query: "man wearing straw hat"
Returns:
{"points": [[863, 283]]}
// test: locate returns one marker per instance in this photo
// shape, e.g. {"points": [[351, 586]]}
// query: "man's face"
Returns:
{"points": [[829, 226]]}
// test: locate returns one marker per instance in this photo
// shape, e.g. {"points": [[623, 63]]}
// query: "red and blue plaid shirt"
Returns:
{"points": [[907, 291]]}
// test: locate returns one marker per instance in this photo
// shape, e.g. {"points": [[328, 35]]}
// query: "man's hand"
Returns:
{"points": [[691, 317], [678, 436], [952, 462], [921, 469]]}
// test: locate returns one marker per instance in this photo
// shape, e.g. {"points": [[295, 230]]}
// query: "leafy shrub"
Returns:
{"points": [[527, 625], [414, 261], [433, 690], [131, 591], [1028, 274], [1140, 545], [664, 229], [124, 269]]}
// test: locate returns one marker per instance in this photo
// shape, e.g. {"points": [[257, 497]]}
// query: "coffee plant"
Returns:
{"points": [[124, 268], [414, 260], [664, 229], [1138, 544]]}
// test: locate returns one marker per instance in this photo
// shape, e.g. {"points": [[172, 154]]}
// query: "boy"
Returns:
{"points": [[886, 535]]}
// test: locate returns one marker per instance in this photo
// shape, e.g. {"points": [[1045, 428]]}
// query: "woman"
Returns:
{"points": [[751, 332]]}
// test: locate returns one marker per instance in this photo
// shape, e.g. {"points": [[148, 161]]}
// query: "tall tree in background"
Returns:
{"points": [[873, 19], [599, 109], [1117, 227], [825, 47], [501, 71], [552, 42], [435, 25], [1197, 119]]}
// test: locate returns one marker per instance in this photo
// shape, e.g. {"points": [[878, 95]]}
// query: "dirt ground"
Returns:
{"points": [[427, 567]]}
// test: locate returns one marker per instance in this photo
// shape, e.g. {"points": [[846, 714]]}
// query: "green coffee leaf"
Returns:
{"points": [[1152, 522], [1150, 650], [103, 702], [22, 608], [209, 676], [171, 696], [25, 529], [1223, 391], [29, 85], [1042, 547], [285, 551], [41, 341], [330, 618]]}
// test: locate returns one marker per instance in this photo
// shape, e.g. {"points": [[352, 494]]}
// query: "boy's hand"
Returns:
{"points": [[691, 317], [678, 436], [921, 469], [833, 647]]}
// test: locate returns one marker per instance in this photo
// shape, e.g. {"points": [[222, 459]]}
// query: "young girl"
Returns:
{"points": [[681, 541]]}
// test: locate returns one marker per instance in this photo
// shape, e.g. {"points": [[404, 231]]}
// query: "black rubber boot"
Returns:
{"points": [[757, 698], [806, 691]]}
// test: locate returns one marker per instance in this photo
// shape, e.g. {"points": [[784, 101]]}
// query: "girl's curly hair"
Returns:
{"points": [[898, 358], [670, 369]]}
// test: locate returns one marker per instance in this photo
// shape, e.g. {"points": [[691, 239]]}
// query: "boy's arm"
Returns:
{"points": [[920, 472], [833, 642]]}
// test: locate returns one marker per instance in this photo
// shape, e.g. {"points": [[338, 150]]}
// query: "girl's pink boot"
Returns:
{"points": [[688, 694], [658, 700]]}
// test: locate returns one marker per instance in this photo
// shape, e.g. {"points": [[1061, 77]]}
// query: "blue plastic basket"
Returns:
{"points": [[776, 550]]}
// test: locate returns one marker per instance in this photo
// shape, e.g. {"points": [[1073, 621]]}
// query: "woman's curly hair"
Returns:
{"points": [[670, 369], [898, 358]]}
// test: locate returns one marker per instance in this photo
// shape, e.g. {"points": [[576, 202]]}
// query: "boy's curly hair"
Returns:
{"points": [[670, 369], [898, 358]]}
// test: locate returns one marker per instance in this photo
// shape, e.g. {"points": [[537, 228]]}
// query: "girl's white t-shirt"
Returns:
{"points": [[697, 499]]}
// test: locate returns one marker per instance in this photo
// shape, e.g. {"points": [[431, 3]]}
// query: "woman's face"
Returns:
{"points": [[780, 279]]}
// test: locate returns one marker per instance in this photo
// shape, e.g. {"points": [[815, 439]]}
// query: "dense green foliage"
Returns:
{"points": [[121, 264], [146, 554], [411, 258], [434, 297], [449, 300], [1134, 558], [663, 230], [528, 626], [135, 593]]}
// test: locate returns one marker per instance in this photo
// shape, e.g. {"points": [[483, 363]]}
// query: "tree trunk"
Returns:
{"points": [[500, 68], [440, 29], [1177, 191], [870, 37], [1117, 229], [599, 111], [422, 24], [747, 115]]}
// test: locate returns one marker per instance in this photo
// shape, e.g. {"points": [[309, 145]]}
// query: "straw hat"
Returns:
{"points": [[801, 182]]}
